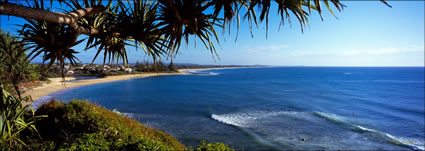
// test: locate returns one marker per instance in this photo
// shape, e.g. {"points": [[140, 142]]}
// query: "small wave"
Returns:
{"points": [[366, 129], [255, 121], [130, 115], [404, 142], [214, 73], [238, 121], [348, 73], [243, 122], [202, 73], [409, 143], [331, 117], [397, 81], [247, 119]]}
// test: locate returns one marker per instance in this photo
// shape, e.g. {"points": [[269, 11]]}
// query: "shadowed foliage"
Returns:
{"points": [[52, 40], [14, 66], [14, 118]]}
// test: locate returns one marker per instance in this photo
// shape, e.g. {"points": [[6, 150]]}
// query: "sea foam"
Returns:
{"points": [[256, 122]]}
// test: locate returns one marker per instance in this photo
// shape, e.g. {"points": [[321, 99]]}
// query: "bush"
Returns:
{"points": [[213, 147], [80, 125]]}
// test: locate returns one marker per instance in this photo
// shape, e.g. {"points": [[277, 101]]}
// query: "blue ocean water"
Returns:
{"points": [[276, 108]]}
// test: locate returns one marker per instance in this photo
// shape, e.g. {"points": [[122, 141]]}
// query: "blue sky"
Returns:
{"points": [[366, 33]]}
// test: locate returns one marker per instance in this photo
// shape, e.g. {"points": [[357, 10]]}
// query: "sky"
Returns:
{"points": [[365, 33]]}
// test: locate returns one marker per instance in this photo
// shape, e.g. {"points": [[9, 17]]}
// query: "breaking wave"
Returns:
{"points": [[130, 115], [408, 143], [262, 125], [202, 73]]}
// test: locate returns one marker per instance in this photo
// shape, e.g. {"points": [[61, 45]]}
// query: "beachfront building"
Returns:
{"points": [[70, 72], [128, 70]]}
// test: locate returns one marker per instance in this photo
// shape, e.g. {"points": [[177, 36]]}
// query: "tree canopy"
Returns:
{"points": [[159, 27]]}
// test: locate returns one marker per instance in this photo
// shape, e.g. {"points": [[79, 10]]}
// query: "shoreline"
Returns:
{"points": [[56, 84]]}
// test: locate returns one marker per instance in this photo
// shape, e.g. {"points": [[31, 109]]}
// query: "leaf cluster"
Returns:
{"points": [[14, 65], [14, 118]]}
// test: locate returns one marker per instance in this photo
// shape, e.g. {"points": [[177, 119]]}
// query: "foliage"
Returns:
{"points": [[172, 67], [14, 66], [14, 118], [13, 63], [213, 147], [156, 67], [113, 46], [80, 125], [52, 72], [140, 18], [52, 40], [191, 21]]}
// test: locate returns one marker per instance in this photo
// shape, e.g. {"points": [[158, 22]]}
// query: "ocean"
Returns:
{"points": [[276, 108]]}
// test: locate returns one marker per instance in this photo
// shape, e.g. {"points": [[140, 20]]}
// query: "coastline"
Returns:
{"points": [[56, 84]]}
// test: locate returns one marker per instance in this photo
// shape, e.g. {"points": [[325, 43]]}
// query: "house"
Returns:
{"points": [[128, 70], [70, 72], [106, 67], [67, 67]]}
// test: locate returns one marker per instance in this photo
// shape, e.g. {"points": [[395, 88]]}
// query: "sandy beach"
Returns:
{"points": [[56, 84]]}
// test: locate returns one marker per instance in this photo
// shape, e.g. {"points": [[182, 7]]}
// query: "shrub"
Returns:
{"points": [[213, 147], [79, 125]]}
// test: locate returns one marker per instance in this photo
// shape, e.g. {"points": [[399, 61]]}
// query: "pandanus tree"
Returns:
{"points": [[158, 27], [108, 25], [52, 40], [141, 21], [181, 19], [14, 66]]}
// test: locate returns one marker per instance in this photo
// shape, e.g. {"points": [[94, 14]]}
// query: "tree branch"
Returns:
{"points": [[55, 17]]}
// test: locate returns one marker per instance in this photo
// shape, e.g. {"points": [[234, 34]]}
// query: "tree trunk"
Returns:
{"points": [[55, 17]]}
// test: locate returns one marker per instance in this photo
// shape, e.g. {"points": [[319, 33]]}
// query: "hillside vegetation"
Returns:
{"points": [[79, 125]]}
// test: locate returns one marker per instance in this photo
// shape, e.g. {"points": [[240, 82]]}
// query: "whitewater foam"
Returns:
{"points": [[234, 120], [248, 119], [254, 122], [202, 73], [130, 115], [365, 129], [409, 143]]}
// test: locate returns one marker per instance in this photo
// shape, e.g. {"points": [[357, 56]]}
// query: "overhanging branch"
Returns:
{"points": [[55, 17]]}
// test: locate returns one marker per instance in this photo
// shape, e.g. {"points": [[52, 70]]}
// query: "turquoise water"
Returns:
{"points": [[276, 108]]}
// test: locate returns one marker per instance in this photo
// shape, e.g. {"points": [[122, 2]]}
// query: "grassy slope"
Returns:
{"points": [[79, 125]]}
